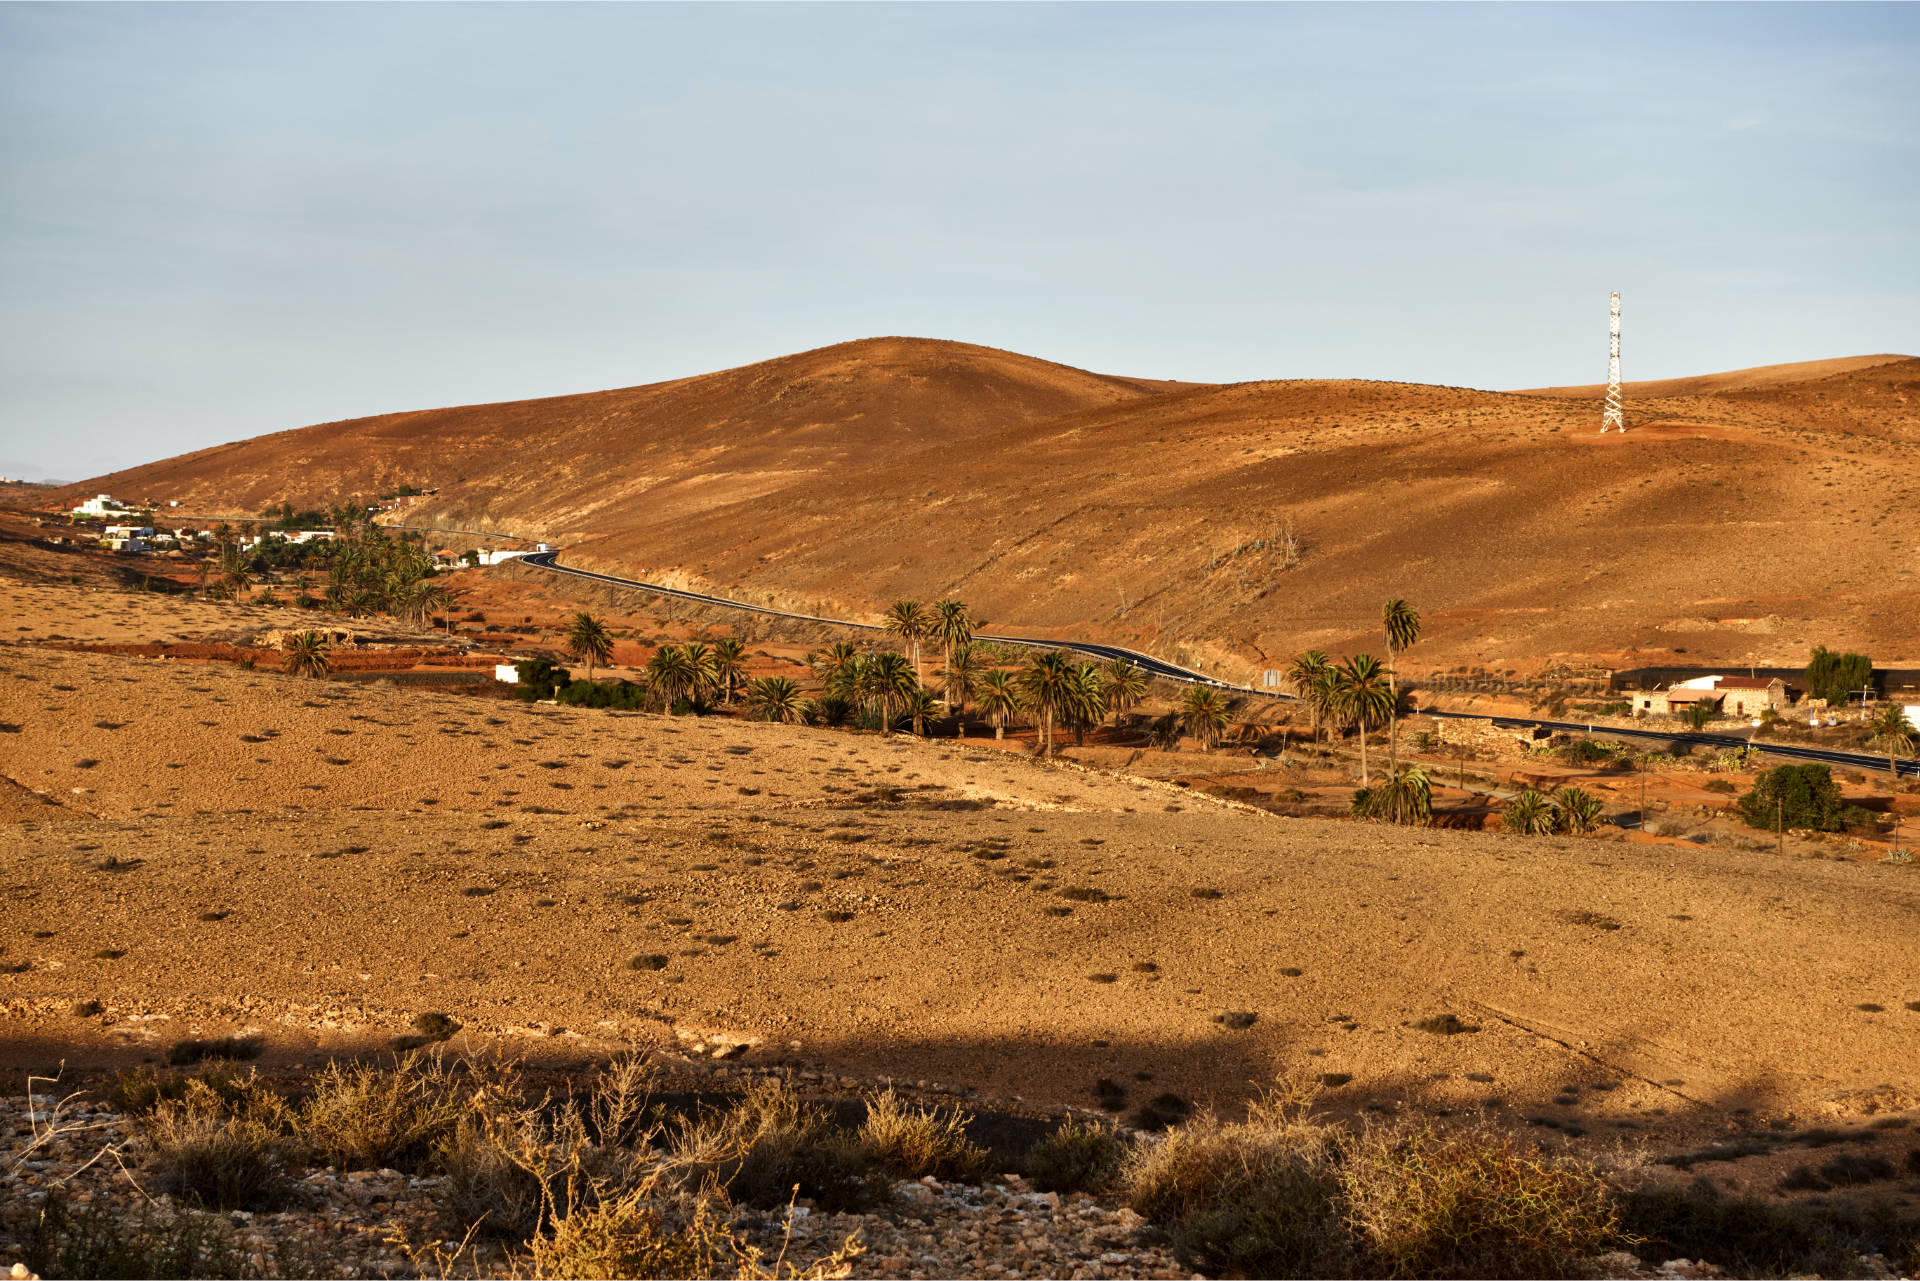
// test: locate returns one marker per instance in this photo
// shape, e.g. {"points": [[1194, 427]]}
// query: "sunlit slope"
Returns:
{"points": [[1750, 521], [561, 458]]}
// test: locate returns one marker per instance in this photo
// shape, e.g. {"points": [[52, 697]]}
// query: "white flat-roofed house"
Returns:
{"points": [[100, 505], [129, 531]]}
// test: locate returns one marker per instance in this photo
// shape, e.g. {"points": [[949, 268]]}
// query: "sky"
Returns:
{"points": [[219, 221]]}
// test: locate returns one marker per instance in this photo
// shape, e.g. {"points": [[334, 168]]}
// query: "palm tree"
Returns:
{"points": [[669, 674], [908, 620], [589, 641], [1304, 674], [775, 698], [964, 665], [1204, 714], [1086, 704], [235, 572], [1046, 687], [1402, 624], [1125, 686], [888, 682], [952, 625], [306, 655], [835, 657], [1363, 698], [730, 661], [999, 699], [1893, 734], [920, 707], [703, 670]]}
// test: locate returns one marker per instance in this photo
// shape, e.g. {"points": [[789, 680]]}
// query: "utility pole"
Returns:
{"points": [[1615, 416]]}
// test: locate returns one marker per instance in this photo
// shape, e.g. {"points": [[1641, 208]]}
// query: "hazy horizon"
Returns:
{"points": [[223, 221]]}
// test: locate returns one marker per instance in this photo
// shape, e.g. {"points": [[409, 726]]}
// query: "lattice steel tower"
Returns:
{"points": [[1615, 417]]}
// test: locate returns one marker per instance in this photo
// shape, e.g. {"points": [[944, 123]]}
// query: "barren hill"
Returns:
{"points": [[1743, 515]]}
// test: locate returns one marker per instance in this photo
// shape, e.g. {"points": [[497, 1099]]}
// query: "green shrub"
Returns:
{"points": [[1077, 1157], [1803, 796], [1405, 798]]}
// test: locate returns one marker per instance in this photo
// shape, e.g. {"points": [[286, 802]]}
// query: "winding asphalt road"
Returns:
{"points": [[1174, 672]]}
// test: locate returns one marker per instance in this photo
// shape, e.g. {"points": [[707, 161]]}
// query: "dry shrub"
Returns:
{"points": [[1281, 1194], [140, 1091], [96, 1242], [770, 1147], [1475, 1203], [910, 1142], [375, 1117], [512, 1169], [1257, 1198], [1077, 1156], [644, 1233], [217, 1152]]}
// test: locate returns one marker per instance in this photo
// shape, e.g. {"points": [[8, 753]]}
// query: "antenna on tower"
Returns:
{"points": [[1615, 416]]}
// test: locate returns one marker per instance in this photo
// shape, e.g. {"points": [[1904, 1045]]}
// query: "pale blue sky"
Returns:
{"points": [[218, 221]]}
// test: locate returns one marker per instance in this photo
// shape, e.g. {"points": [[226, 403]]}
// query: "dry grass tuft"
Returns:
{"points": [[909, 1142], [1077, 1157]]}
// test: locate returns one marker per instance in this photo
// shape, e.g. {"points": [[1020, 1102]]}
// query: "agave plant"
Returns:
{"points": [[1580, 811], [306, 655], [1405, 798], [1530, 814]]}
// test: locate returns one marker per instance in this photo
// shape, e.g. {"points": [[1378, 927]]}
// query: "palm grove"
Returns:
{"points": [[884, 689]]}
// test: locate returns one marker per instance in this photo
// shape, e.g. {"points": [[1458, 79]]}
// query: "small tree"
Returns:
{"points": [[1698, 715], [1837, 677], [1802, 796], [999, 699], [1579, 811]]}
